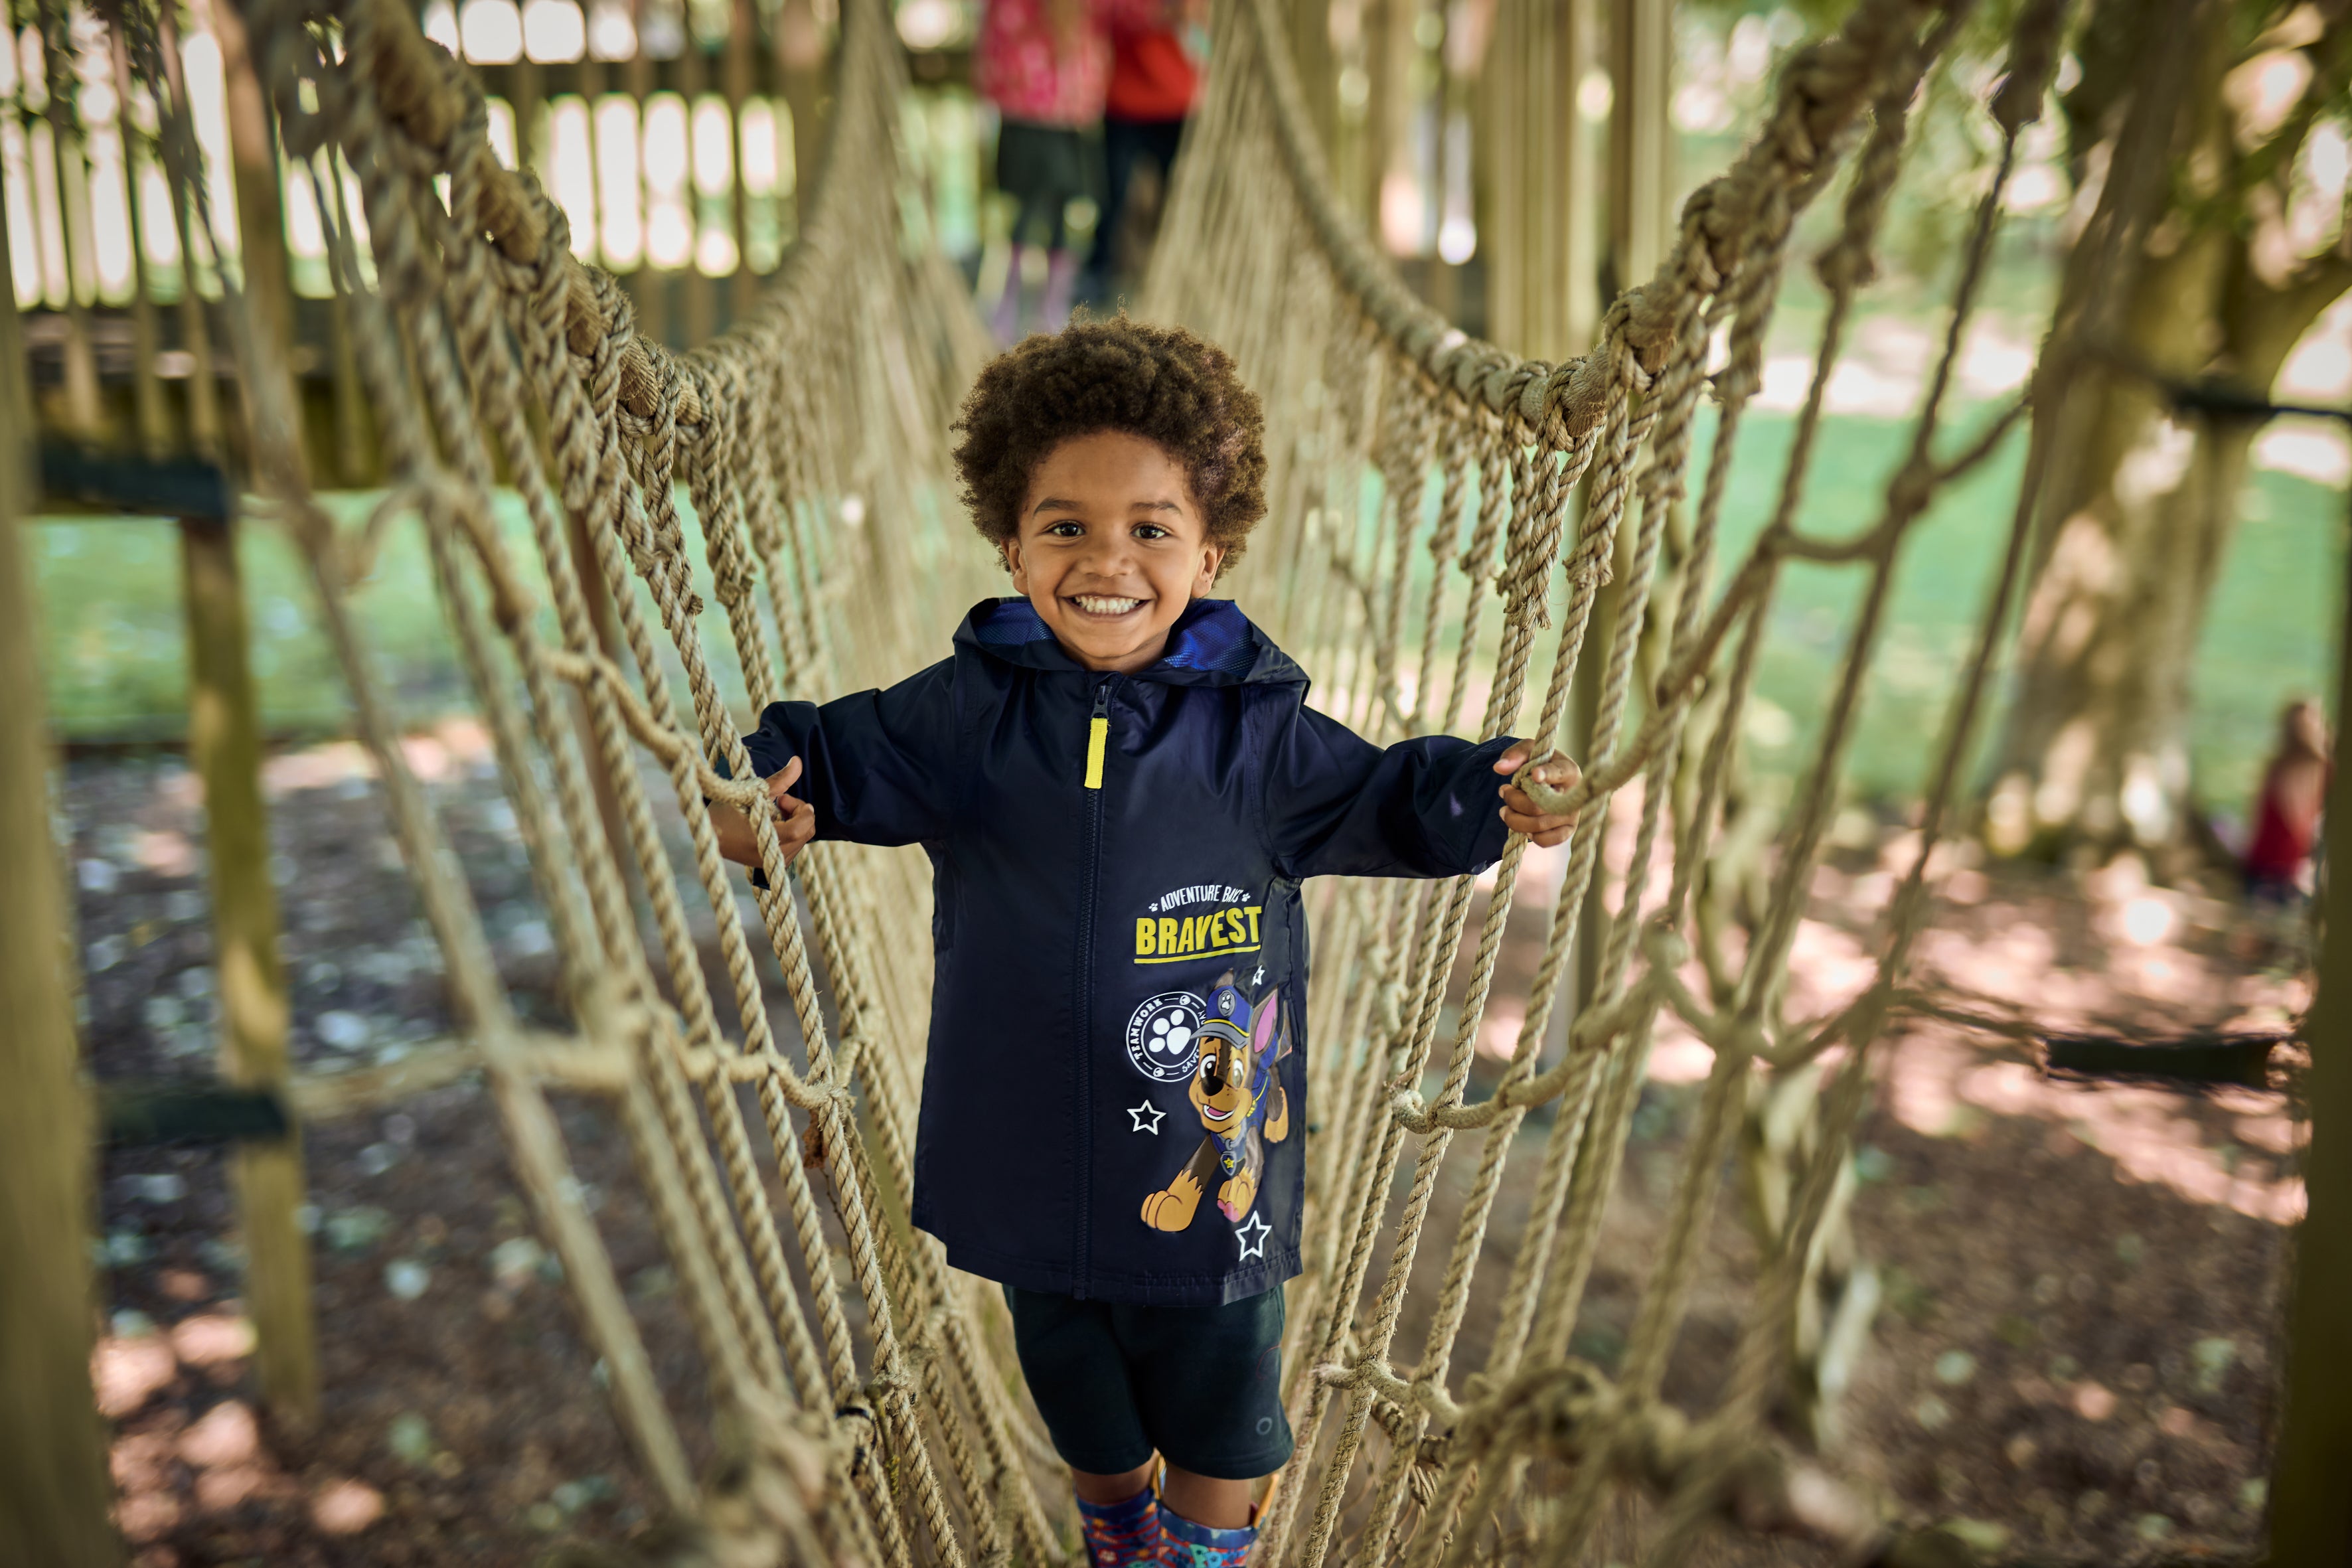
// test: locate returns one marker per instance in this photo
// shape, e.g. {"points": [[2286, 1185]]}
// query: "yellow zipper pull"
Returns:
{"points": [[1098, 736]]}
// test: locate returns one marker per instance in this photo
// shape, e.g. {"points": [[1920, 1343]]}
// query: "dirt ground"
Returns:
{"points": [[2076, 1353]]}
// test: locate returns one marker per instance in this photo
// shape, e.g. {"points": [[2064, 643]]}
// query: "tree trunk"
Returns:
{"points": [[2139, 522]]}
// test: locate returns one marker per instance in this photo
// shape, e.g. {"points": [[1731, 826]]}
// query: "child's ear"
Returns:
{"points": [[1011, 549], [1212, 557]]}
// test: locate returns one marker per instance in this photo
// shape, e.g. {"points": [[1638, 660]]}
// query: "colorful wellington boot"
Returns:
{"points": [[1190, 1545], [1122, 1535]]}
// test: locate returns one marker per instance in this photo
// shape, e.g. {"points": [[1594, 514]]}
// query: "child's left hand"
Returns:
{"points": [[1520, 813]]}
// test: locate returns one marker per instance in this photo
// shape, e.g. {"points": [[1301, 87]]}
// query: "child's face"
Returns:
{"points": [[1112, 547]]}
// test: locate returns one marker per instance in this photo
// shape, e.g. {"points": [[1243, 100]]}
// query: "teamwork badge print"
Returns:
{"points": [[1159, 1036]]}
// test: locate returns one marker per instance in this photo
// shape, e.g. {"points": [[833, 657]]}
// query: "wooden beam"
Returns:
{"points": [[54, 1489], [225, 745], [2311, 1517]]}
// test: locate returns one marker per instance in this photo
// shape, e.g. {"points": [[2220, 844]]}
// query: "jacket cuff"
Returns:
{"points": [[1486, 845]]}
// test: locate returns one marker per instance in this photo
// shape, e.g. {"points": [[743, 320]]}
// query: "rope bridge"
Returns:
{"points": [[863, 1402]]}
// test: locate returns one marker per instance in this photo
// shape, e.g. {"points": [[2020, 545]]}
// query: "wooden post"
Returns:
{"points": [[1388, 123], [181, 172], [735, 80], [800, 61], [649, 287], [701, 315], [261, 240], [54, 1490], [352, 448], [1567, 302], [225, 745], [1641, 141], [1536, 180], [2311, 1517], [147, 388], [84, 409]]}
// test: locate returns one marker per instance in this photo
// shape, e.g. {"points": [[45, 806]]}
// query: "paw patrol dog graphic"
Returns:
{"points": [[1237, 1090]]}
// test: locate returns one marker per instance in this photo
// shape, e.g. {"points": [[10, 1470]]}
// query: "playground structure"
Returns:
{"points": [[1416, 470]]}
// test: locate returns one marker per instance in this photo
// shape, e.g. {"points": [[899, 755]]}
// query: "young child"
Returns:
{"points": [[1121, 788], [2287, 813]]}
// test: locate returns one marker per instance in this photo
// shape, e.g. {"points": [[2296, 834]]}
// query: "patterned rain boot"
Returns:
{"points": [[1190, 1545], [1122, 1535]]}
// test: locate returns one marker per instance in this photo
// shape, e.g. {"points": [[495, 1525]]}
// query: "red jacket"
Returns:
{"points": [[1152, 77]]}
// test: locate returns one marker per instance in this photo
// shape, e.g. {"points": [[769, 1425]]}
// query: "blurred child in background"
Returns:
{"points": [[1156, 47], [2287, 813], [1045, 64]]}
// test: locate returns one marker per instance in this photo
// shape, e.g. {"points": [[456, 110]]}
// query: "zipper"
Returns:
{"points": [[1097, 743]]}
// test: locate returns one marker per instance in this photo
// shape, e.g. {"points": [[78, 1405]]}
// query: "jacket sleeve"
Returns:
{"points": [[879, 766], [1338, 806]]}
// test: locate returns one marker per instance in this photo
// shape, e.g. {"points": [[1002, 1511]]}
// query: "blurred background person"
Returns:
{"points": [[1046, 65], [1157, 50], [2287, 812]]}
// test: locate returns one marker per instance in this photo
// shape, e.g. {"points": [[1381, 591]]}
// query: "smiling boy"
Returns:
{"points": [[1121, 789]]}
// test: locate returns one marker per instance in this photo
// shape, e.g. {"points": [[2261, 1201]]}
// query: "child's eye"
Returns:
{"points": [[1066, 529], [1149, 531]]}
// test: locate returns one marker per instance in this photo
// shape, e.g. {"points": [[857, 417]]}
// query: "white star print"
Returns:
{"points": [[1139, 1112], [1252, 1234]]}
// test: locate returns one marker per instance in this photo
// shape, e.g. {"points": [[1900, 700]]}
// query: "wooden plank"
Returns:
{"points": [[225, 745], [2311, 1520], [54, 1490]]}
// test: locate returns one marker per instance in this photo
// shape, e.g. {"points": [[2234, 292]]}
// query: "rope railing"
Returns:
{"points": [[1273, 268], [491, 356], [1416, 474]]}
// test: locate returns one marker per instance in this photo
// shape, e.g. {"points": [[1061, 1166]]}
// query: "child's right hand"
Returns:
{"points": [[795, 821]]}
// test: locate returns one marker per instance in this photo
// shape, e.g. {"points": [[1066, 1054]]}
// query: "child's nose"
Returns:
{"points": [[1107, 554]]}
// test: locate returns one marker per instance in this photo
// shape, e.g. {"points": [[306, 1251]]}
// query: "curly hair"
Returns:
{"points": [[1160, 382]]}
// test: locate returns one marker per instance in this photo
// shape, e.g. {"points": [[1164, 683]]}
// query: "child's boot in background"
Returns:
{"points": [[1007, 319], [1191, 1545], [1122, 1535], [1060, 281]]}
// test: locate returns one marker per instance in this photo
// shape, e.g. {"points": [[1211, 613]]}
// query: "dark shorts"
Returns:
{"points": [[1200, 1385], [1045, 168]]}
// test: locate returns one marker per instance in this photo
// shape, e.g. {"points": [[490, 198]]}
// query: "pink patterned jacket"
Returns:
{"points": [[1019, 66]]}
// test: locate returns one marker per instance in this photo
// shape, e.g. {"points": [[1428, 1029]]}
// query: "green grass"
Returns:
{"points": [[2268, 635], [112, 634], [115, 664]]}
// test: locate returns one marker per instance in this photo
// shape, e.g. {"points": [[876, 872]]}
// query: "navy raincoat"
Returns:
{"points": [[1114, 1102]]}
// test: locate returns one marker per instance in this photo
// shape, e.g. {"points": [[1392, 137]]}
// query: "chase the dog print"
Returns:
{"points": [[1236, 1091]]}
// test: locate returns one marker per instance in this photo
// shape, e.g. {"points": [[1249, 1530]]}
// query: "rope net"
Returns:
{"points": [[861, 1396]]}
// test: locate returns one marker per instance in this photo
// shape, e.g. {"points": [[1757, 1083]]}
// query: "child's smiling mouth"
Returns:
{"points": [[1105, 606]]}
